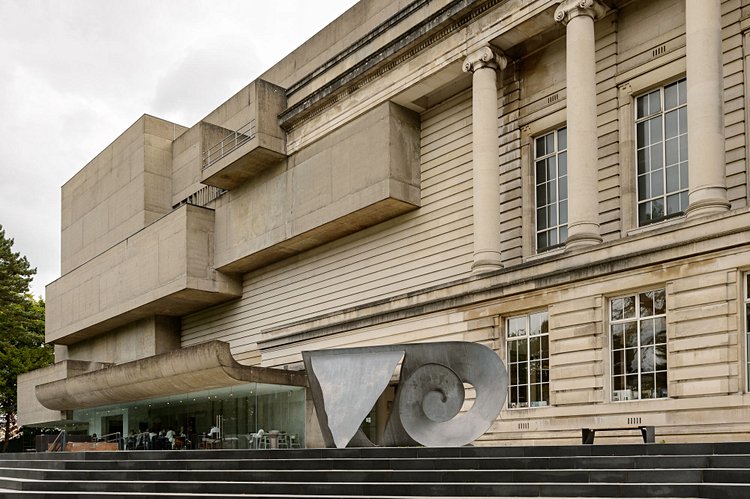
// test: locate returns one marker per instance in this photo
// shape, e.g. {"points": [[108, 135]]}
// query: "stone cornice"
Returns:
{"points": [[485, 57], [569, 9]]}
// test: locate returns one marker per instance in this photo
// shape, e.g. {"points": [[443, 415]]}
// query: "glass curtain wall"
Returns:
{"points": [[228, 417]]}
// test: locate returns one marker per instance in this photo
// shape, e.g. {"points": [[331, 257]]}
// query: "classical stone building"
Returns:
{"points": [[563, 181]]}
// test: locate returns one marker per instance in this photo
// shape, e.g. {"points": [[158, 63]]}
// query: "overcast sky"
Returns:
{"points": [[74, 74]]}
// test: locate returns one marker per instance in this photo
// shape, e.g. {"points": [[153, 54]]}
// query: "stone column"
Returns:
{"points": [[583, 152], [484, 64], [707, 177]]}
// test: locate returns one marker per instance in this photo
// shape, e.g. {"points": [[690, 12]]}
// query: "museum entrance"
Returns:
{"points": [[237, 417]]}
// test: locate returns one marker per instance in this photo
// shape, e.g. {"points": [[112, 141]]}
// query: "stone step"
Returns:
{"points": [[689, 475], [683, 470], [580, 462], [381, 489]]}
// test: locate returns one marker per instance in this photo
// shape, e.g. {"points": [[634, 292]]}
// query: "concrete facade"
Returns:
{"points": [[450, 170]]}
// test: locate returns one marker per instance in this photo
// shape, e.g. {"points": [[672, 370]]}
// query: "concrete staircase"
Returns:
{"points": [[720, 471]]}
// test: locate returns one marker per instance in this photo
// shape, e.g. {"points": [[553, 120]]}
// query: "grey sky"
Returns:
{"points": [[76, 73]]}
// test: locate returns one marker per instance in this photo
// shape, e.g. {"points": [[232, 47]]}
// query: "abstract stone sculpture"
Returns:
{"points": [[346, 383]]}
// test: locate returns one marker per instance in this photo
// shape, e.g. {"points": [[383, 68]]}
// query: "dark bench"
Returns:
{"points": [[647, 432]]}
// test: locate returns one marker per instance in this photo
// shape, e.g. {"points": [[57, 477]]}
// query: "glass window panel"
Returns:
{"points": [[657, 209], [683, 145], [657, 189], [551, 168], [684, 200], [551, 191], [660, 357], [630, 330], [540, 150], [541, 171], [647, 359], [545, 344], [535, 348], [647, 386], [542, 240], [562, 139], [628, 307], [631, 383], [551, 218], [523, 373], [659, 301], [656, 160], [538, 323], [642, 160], [660, 330], [517, 326], [562, 162], [646, 301], [644, 213], [618, 382], [673, 178], [644, 191], [535, 371], [563, 188], [550, 139], [641, 105], [654, 102], [672, 151], [618, 362], [541, 219], [671, 96], [617, 306], [661, 385], [673, 204], [647, 332], [541, 195], [564, 217], [671, 124], [618, 341], [631, 361], [641, 134]]}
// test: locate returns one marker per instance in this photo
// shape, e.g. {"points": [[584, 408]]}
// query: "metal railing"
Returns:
{"points": [[111, 437], [59, 443], [202, 196], [229, 143]]}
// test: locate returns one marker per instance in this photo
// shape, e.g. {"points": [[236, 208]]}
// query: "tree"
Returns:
{"points": [[22, 346]]}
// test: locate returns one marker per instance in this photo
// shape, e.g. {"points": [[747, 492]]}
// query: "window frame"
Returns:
{"points": [[544, 377], [667, 173], [640, 348], [560, 204], [662, 70]]}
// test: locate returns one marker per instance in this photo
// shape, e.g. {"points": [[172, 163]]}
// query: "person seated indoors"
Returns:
{"points": [[184, 438], [170, 435]]}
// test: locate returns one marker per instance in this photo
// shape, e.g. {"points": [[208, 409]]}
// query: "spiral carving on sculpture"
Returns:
{"points": [[429, 405]]}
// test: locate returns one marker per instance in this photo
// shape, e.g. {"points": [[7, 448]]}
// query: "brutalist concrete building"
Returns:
{"points": [[562, 181]]}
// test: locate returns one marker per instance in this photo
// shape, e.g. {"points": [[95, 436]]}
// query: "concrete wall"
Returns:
{"points": [[137, 340], [125, 188], [30, 411], [164, 269], [361, 174]]}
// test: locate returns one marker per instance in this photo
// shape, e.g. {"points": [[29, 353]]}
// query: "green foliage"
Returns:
{"points": [[22, 346]]}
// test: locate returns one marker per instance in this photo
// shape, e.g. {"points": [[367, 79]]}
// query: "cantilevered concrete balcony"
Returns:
{"points": [[164, 269], [362, 174], [257, 144]]}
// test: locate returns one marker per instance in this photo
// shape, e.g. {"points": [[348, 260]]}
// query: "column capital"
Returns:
{"points": [[569, 9], [485, 57]]}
